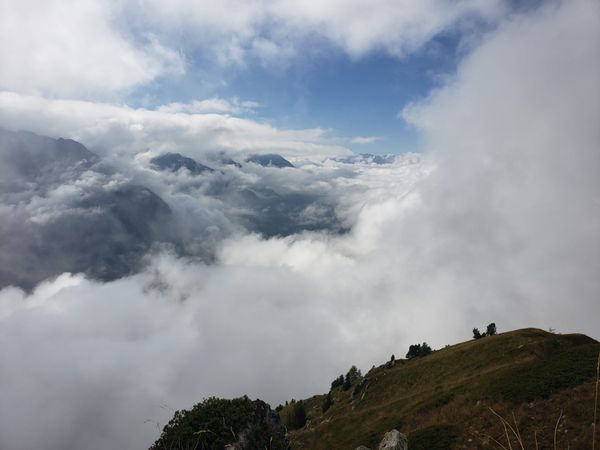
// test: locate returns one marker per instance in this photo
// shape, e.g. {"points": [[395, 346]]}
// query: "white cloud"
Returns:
{"points": [[94, 48], [74, 48], [138, 348], [365, 139], [128, 130], [277, 30], [516, 208], [212, 105]]}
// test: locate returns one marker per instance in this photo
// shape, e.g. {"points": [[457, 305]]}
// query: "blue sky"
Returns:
{"points": [[347, 96], [347, 67]]}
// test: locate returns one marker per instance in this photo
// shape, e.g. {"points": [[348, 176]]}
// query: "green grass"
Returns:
{"points": [[506, 370], [540, 378], [436, 437]]}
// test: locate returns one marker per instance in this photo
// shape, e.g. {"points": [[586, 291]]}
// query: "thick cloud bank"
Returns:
{"points": [[499, 222], [127, 43]]}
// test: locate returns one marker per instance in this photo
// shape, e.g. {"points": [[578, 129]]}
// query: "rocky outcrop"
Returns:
{"points": [[264, 427], [393, 440]]}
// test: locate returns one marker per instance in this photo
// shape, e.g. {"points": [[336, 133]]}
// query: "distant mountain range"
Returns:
{"points": [[63, 209], [367, 158], [64, 219]]}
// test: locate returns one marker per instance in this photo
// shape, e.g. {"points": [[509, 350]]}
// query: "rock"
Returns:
{"points": [[264, 427], [175, 161], [393, 440], [270, 160]]}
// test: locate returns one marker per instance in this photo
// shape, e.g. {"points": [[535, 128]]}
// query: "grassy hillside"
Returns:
{"points": [[441, 401]]}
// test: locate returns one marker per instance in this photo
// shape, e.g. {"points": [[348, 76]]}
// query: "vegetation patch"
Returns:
{"points": [[541, 378], [437, 437], [215, 422], [434, 402]]}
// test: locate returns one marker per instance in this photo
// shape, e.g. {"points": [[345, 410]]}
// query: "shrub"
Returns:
{"points": [[215, 422]]}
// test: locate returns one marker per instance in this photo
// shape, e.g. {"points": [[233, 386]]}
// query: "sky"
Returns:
{"points": [[128, 291], [343, 67]]}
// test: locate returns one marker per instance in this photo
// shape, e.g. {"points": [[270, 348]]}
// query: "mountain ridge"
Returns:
{"points": [[532, 373], [540, 384]]}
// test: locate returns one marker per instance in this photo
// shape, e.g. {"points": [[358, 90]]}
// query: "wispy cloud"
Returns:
{"points": [[365, 139], [175, 127], [84, 56], [212, 105]]}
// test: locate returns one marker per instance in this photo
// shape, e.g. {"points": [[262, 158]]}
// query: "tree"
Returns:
{"points": [[476, 333], [327, 402], [339, 381], [347, 385], [491, 329], [352, 377], [417, 350], [413, 351], [425, 349]]}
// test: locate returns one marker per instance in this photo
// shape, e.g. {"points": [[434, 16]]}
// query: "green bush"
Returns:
{"points": [[215, 422]]}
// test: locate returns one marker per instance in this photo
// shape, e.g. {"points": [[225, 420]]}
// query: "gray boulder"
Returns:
{"points": [[393, 440]]}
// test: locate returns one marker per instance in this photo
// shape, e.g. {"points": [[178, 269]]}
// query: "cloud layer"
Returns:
{"points": [[40, 55], [127, 43], [125, 130]]}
